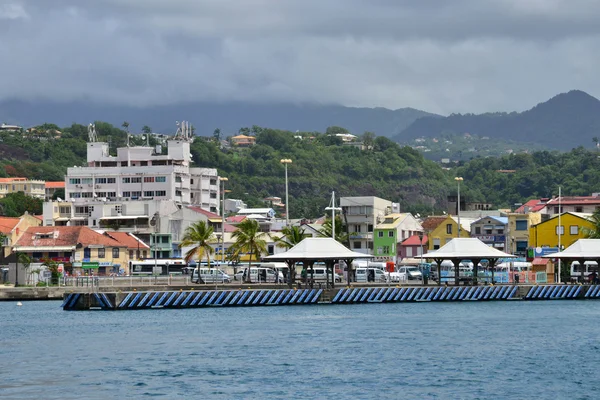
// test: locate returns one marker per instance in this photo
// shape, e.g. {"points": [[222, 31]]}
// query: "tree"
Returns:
{"points": [[15, 205], [59, 193], [249, 240], [595, 140], [593, 233], [125, 126], [244, 131], [198, 235], [292, 235], [23, 259], [146, 129], [53, 268], [368, 139], [217, 134], [333, 130], [327, 230]]}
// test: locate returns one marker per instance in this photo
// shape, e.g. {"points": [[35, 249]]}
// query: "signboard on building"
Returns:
{"points": [[90, 265]]}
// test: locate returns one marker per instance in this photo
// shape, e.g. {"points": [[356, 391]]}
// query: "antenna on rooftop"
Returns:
{"points": [[92, 136]]}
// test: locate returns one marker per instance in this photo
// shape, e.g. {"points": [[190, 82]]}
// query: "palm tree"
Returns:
{"points": [[292, 235], [593, 233], [326, 230], [198, 235], [249, 239]]}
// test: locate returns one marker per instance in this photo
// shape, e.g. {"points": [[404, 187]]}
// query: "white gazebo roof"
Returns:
{"points": [[583, 248], [466, 248], [318, 249]]}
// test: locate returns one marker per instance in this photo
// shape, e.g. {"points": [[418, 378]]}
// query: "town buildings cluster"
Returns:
{"points": [[137, 204]]}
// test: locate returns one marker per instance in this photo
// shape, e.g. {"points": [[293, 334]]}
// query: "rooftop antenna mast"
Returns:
{"points": [[92, 136]]}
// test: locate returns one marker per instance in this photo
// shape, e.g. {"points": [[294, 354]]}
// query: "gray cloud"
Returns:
{"points": [[436, 55]]}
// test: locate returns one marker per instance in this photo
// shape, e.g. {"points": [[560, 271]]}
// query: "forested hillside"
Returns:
{"points": [[322, 164]]}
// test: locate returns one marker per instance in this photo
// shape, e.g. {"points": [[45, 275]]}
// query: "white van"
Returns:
{"points": [[211, 275], [261, 275], [370, 275], [321, 274]]}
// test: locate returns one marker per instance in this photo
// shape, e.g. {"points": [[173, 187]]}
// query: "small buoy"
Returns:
{"points": [[19, 304]]}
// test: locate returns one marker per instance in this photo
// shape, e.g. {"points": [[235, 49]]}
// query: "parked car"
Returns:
{"points": [[406, 273], [371, 275], [321, 274]]}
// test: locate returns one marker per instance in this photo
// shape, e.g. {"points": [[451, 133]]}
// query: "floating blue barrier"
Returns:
{"points": [[220, 297], [489, 292], [99, 300], [74, 300], [316, 296], [182, 295], [259, 294], [458, 293], [561, 291], [302, 296], [440, 293], [211, 298], [242, 299], [161, 300], [170, 299], [271, 298], [396, 294], [414, 292], [135, 299], [295, 297], [346, 295], [550, 291], [497, 290], [237, 296], [309, 296], [106, 300], [125, 300], [569, 293], [596, 291], [265, 296], [406, 294], [391, 295], [199, 297], [383, 293], [250, 299], [144, 300], [365, 295], [577, 292], [189, 297], [466, 293], [512, 292], [374, 294], [554, 291], [281, 296], [448, 293], [66, 300], [356, 295], [153, 299], [288, 297], [338, 295]]}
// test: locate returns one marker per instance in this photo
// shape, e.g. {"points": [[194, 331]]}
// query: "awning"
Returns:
{"points": [[43, 248], [215, 220], [126, 217], [62, 219]]}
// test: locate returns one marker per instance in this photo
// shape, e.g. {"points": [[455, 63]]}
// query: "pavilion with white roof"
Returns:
{"points": [[311, 250], [460, 249], [581, 251]]}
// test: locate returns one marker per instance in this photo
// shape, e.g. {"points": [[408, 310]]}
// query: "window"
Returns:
{"points": [[100, 180], [449, 229], [370, 228], [101, 253], [87, 181], [521, 245], [562, 230], [386, 249], [178, 179], [191, 181], [574, 230], [148, 179], [521, 225], [436, 243], [115, 252], [213, 209], [500, 231], [87, 253], [112, 194], [270, 249], [578, 209], [391, 234], [357, 228], [162, 179], [148, 193], [164, 239], [75, 195], [111, 180], [87, 195], [74, 181], [478, 230], [160, 193], [126, 180], [213, 195], [136, 195], [100, 194], [357, 245], [213, 181], [136, 179], [126, 194], [178, 193], [131, 254], [380, 234]]}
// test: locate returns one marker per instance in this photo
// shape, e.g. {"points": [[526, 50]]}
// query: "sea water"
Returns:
{"points": [[469, 350]]}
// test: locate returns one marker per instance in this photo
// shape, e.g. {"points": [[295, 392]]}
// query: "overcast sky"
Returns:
{"points": [[441, 56]]}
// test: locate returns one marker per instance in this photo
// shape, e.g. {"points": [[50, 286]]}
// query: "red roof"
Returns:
{"points": [[65, 236], [9, 180], [234, 219], [55, 185], [227, 227], [414, 240], [127, 239], [7, 224], [430, 223], [575, 200], [531, 206]]}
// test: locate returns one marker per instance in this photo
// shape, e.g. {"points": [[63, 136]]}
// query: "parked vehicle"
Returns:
{"points": [[211, 275], [321, 274], [261, 275], [406, 273], [371, 275]]}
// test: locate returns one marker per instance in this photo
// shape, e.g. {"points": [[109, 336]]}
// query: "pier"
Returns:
{"points": [[136, 300]]}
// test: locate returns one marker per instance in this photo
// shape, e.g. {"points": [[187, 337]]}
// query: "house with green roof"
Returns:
{"points": [[391, 232]]}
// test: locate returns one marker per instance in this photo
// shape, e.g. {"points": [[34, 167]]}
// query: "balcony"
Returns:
{"points": [[360, 235]]}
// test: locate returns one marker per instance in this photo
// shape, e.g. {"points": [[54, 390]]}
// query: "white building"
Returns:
{"points": [[143, 173], [362, 215], [234, 205]]}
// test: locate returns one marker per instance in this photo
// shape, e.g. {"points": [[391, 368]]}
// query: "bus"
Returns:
{"points": [[164, 266]]}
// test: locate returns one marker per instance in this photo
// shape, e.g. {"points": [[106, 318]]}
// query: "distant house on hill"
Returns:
{"points": [[243, 141]]}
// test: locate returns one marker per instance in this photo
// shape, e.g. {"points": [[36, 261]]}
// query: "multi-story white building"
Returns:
{"points": [[362, 214], [143, 173]]}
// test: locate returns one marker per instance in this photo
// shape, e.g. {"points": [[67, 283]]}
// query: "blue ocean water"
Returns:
{"points": [[504, 350]]}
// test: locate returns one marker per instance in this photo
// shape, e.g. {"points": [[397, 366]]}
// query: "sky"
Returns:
{"points": [[459, 56]]}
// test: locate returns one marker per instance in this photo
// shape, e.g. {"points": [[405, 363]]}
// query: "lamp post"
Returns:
{"points": [[458, 180], [421, 261], [285, 162], [153, 223], [223, 179]]}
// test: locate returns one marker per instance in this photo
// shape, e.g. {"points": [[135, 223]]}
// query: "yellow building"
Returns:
{"points": [[445, 230], [31, 188], [519, 226], [572, 226], [11, 229]]}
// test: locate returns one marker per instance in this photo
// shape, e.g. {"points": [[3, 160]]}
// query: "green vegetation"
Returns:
{"points": [[249, 240], [15, 205], [200, 236]]}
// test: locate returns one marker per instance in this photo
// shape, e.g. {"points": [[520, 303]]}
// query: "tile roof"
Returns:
{"points": [[14, 179], [235, 218], [65, 236], [127, 239], [532, 205], [55, 185], [414, 240], [430, 223], [211, 215], [7, 224]]}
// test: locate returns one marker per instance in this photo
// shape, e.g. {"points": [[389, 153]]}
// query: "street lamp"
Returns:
{"points": [[285, 162], [458, 180], [223, 179]]}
